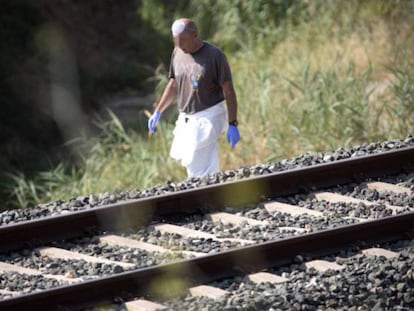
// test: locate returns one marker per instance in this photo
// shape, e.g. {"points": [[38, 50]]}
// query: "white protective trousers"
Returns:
{"points": [[195, 140]]}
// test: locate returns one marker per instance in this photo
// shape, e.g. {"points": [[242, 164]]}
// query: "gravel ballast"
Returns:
{"points": [[365, 283], [359, 285], [89, 201]]}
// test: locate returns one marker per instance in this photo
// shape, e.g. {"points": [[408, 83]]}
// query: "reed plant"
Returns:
{"points": [[318, 75]]}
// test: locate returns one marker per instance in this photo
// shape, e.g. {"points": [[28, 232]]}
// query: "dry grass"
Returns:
{"points": [[270, 88]]}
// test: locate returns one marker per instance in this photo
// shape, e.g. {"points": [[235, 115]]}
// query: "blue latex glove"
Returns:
{"points": [[152, 122], [233, 135]]}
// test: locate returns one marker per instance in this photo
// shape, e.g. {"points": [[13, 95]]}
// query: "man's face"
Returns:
{"points": [[185, 41]]}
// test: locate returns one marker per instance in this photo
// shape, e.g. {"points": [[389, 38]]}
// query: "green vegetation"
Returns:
{"points": [[310, 76]]}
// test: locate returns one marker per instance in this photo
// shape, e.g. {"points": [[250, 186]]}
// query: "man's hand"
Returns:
{"points": [[233, 135], [152, 122]]}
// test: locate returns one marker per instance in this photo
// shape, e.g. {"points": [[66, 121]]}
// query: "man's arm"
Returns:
{"points": [[231, 100], [233, 135], [168, 96]]}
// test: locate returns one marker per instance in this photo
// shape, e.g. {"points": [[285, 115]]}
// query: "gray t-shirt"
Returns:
{"points": [[199, 77]]}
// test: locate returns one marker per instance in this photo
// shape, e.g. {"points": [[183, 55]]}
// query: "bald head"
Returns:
{"points": [[183, 24], [185, 34]]}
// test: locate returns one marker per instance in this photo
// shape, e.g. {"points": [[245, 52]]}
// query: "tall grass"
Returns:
{"points": [[317, 75], [117, 159], [336, 80], [121, 158]]}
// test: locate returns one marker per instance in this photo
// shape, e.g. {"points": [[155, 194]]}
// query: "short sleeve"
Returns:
{"points": [[171, 71]]}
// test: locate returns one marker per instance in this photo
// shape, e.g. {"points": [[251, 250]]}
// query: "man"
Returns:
{"points": [[200, 79]]}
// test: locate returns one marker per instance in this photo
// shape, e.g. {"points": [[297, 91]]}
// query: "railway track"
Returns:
{"points": [[194, 237]]}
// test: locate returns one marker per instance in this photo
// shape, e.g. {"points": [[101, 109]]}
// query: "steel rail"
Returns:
{"points": [[138, 212], [213, 267]]}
